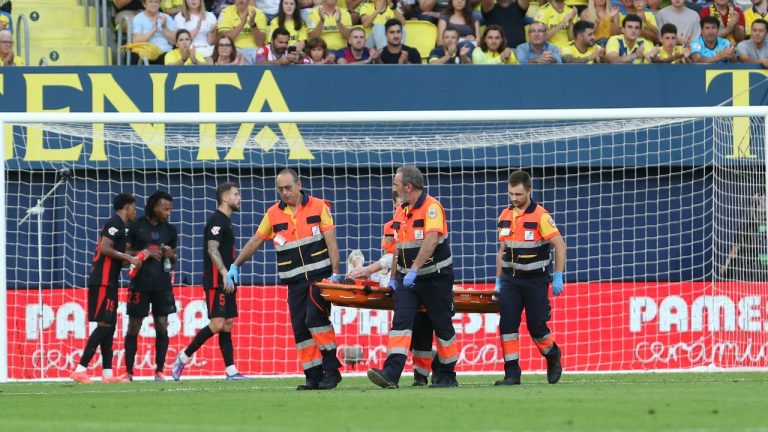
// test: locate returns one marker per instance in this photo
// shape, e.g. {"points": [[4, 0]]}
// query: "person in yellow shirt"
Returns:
{"points": [[171, 7], [628, 47], [650, 29], [6, 50], [246, 25], [373, 16], [582, 48], [605, 16], [185, 53], [328, 18], [493, 48], [559, 20], [289, 18], [670, 51], [759, 10]]}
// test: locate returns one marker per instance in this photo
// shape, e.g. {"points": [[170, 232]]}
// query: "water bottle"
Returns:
{"points": [[166, 261]]}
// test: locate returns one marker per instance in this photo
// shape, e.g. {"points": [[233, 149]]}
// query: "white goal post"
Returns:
{"points": [[652, 202]]}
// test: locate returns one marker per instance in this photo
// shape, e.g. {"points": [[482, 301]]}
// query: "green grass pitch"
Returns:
{"points": [[685, 401]]}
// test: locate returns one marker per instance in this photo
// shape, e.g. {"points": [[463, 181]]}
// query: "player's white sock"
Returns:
{"points": [[183, 357], [106, 373], [80, 368], [231, 370]]}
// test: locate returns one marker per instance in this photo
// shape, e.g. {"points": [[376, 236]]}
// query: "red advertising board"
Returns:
{"points": [[609, 326]]}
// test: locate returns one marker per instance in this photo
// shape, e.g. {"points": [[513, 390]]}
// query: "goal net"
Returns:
{"points": [[664, 219]]}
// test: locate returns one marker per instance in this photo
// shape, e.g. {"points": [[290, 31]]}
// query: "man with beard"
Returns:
{"points": [[277, 52], [395, 52]]}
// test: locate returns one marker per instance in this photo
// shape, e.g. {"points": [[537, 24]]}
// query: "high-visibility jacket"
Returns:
{"points": [[409, 225], [301, 249], [388, 238], [526, 249]]}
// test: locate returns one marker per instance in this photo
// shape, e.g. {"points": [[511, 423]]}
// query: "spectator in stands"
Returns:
{"points": [[685, 20], [327, 18], [493, 48], [649, 30], [316, 52], [374, 15], [270, 8], [605, 17], [289, 18], [185, 53], [582, 48], [395, 52], [246, 25], [509, 15], [458, 16], [6, 21], [219, 5], [171, 7], [202, 25], [669, 51], [278, 52], [730, 19], [758, 10], [558, 19], [449, 52], [709, 47], [628, 47], [154, 27], [6, 50], [538, 50], [754, 50], [422, 10], [356, 52], [225, 54], [127, 8]]}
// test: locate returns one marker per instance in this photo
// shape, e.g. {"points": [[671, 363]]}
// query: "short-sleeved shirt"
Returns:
{"points": [[511, 19], [490, 58], [218, 228], [686, 21], [570, 49], [525, 54], [439, 52], [649, 18], [750, 15], [143, 24], [370, 8], [748, 48], [413, 56], [347, 55], [698, 46], [547, 228], [618, 44], [106, 270], [329, 25], [663, 54], [265, 231], [229, 19], [296, 35], [145, 235], [548, 15], [175, 55], [209, 21]]}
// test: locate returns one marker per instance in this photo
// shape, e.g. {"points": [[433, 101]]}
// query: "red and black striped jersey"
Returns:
{"points": [[218, 227], [106, 270]]}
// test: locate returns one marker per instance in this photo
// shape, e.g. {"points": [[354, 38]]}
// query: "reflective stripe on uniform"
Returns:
{"points": [[305, 269], [525, 245], [298, 243], [447, 351], [324, 337], [417, 243], [510, 346], [532, 266], [434, 268]]}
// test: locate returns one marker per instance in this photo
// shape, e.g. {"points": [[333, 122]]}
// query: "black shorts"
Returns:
{"points": [[220, 304], [102, 303], [163, 303]]}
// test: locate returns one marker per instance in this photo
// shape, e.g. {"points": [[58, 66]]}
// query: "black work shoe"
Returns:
{"points": [[554, 369], [310, 385], [378, 377], [441, 381], [508, 381], [330, 380], [419, 380]]}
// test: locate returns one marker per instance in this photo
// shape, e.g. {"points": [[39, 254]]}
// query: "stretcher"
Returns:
{"points": [[369, 295]]}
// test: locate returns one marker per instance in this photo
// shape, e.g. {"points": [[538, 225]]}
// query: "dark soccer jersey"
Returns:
{"points": [[106, 270], [217, 228], [144, 235]]}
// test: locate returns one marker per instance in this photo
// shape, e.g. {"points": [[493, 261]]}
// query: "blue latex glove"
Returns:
{"points": [[335, 278], [557, 284], [410, 279], [393, 285], [233, 275], [497, 288]]}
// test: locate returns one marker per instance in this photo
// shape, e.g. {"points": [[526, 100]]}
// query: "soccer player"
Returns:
{"points": [[218, 255], [155, 238], [102, 287], [302, 230]]}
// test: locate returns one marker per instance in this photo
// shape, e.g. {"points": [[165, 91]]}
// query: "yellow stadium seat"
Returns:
{"points": [[334, 40], [421, 35], [70, 56], [65, 36], [47, 17]]}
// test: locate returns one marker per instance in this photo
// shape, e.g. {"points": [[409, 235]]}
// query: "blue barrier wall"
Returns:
{"points": [[647, 218]]}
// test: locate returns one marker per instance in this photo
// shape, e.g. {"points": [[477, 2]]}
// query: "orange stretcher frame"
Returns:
{"points": [[369, 295]]}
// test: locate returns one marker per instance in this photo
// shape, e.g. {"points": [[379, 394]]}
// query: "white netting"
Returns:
{"points": [[649, 209]]}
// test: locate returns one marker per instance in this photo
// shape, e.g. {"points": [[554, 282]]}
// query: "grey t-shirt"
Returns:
{"points": [[686, 21], [748, 48]]}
